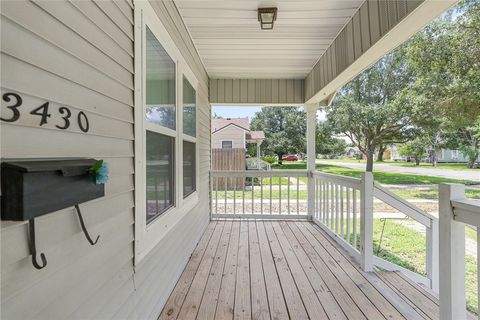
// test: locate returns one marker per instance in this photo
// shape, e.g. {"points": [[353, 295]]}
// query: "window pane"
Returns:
{"points": [[160, 174], [189, 111], [160, 84], [227, 144], [189, 168]]}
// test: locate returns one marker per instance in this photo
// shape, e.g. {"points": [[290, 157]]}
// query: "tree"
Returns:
{"points": [[445, 60], [285, 130], [417, 149], [366, 109], [325, 143]]}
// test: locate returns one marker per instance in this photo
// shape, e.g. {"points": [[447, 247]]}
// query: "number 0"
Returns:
{"points": [[83, 124]]}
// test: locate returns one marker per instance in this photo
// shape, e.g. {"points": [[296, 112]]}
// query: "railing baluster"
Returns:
{"points": [[332, 206], [336, 209], [216, 195], [324, 202], [354, 226], [341, 212], [348, 215], [225, 182], [317, 202], [244, 183], [253, 196], [298, 195], [270, 195], [279, 195], [288, 194], [261, 194], [235, 180]]}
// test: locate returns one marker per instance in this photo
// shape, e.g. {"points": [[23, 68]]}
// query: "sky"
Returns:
{"points": [[246, 111]]}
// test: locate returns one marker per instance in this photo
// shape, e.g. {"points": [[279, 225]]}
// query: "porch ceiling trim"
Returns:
{"points": [[376, 28]]}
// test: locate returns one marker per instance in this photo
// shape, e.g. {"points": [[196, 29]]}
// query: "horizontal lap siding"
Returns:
{"points": [[77, 54]]}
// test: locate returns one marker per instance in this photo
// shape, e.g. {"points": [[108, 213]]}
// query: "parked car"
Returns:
{"points": [[290, 157]]}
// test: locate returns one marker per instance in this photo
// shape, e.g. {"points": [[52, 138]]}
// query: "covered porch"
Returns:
{"points": [[254, 269]]}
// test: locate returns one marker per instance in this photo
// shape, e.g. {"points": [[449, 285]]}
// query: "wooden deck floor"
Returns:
{"points": [[287, 270]]}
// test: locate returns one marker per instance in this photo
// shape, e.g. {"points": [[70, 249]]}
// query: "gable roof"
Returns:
{"points": [[221, 123]]}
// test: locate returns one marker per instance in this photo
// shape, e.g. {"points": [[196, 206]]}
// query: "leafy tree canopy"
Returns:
{"points": [[285, 130]]}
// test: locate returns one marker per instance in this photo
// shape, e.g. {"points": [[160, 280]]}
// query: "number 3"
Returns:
{"points": [[62, 110], [14, 108]]}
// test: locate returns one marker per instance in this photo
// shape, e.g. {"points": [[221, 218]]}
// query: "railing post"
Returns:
{"points": [[432, 251], [452, 255], [311, 155], [366, 222]]}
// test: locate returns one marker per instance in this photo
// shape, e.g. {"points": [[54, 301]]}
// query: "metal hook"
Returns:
{"points": [[84, 228], [33, 249]]}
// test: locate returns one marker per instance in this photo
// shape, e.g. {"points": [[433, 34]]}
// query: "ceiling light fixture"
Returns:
{"points": [[267, 17]]}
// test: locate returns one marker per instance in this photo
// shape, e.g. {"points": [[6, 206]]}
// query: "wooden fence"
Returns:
{"points": [[229, 160]]}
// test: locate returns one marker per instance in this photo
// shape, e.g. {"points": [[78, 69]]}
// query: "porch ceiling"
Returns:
{"points": [[231, 44]]}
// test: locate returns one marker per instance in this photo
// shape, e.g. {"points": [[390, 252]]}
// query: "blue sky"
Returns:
{"points": [[245, 111]]}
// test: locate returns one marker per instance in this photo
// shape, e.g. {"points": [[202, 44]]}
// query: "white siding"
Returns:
{"points": [[233, 133], [80, 54]]}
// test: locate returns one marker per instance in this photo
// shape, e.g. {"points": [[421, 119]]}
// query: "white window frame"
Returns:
{"points": [[147, 236], [222, 141]]}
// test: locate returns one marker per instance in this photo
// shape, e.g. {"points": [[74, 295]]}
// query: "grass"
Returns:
{"points": [[406, 247], [382, 177], [430, 193], [450, 166]]}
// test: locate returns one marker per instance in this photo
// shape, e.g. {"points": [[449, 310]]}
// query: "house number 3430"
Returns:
{"points": [[42, 111]]}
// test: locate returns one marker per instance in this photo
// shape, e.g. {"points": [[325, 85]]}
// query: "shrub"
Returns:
{"points": [[270, 159]]}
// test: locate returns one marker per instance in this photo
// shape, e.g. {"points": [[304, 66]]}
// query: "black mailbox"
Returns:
{"points": [[34, 188]]}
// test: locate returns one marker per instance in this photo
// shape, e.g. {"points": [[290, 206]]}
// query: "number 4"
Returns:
{"points": [[44, 114]]}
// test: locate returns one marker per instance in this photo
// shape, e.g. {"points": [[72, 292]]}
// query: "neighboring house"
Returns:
{"points": [[443, 155], [234, 133]]}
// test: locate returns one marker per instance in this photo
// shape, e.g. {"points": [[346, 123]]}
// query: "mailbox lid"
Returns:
{"points": [[65, 167]]}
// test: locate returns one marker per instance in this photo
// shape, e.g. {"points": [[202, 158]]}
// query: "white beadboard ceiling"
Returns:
{"points": [[231, 44]]}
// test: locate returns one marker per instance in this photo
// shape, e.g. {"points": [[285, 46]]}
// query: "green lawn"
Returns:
{"points": [[450, 166], [406, 247], [430, 193], [379, 176]]}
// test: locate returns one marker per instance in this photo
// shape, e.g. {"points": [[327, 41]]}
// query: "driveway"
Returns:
{"points": [[434, 172]]}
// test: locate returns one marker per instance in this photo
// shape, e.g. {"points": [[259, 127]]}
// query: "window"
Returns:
{"points": [[160, 84], [189, 168], [166, 146], [160, 174], [160, 107], [227, 144], [189, 136]]}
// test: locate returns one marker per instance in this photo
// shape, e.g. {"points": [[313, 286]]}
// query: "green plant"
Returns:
{"points": [[270, 159]]}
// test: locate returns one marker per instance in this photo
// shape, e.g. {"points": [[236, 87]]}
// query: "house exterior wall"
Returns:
{"points": [[233, 133], [80, 54]]}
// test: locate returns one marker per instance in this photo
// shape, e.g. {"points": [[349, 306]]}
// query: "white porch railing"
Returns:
{"points": [[455, 212], [344, 209], [258, 194], [342, 206]]}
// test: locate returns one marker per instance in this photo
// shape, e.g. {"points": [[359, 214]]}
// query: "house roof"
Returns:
{"points": [[220, 123], [242, 123], [256, 135]]}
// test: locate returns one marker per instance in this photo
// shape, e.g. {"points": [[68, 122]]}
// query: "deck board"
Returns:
{"points": [[255, 269]]}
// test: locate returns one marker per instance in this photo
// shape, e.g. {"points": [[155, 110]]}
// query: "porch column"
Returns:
{"points": [[452, 254], [311, 110]]}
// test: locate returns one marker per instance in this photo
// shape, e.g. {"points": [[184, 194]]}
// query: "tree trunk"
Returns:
{"points": [[369, 156], [417, 161], [279, 155], [381, 151]]}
